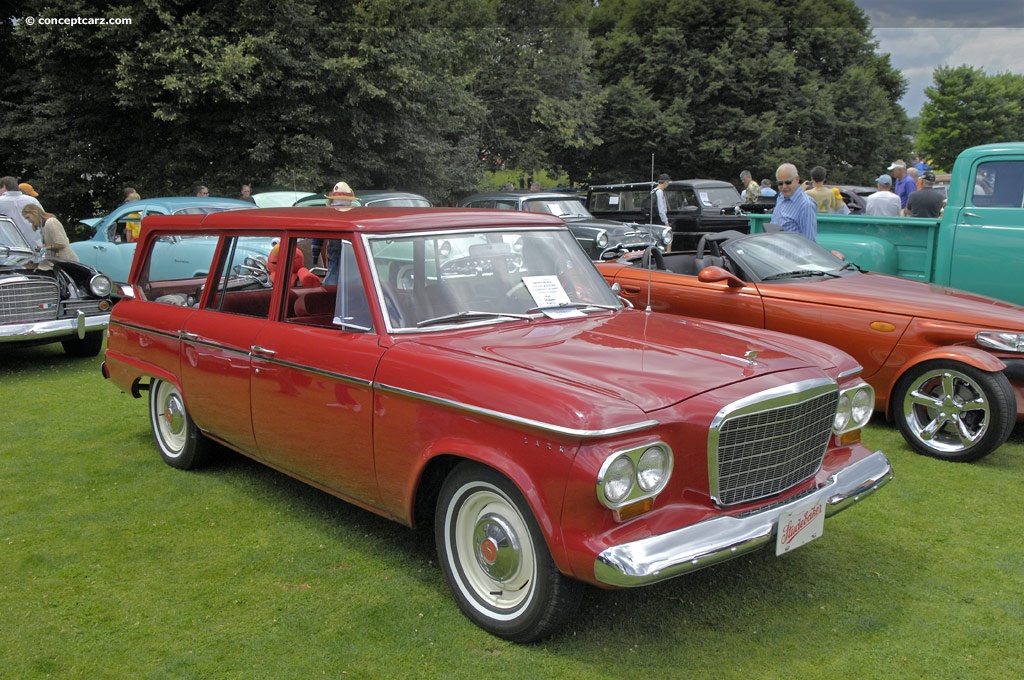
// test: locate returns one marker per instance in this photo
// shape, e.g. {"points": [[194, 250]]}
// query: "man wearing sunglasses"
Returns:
{"points": [[794, 209]]}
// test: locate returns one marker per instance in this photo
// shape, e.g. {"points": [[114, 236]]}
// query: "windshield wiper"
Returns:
{"points": [[573, 305], [799, 274], [471, 315], [851, 265]]}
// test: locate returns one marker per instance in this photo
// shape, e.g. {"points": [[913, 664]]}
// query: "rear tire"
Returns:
{"points": [[177, 438], [495, 559], [953, 411]]}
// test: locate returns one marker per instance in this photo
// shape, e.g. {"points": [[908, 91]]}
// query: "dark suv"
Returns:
{"points": [[694, 206], [595, 236]]}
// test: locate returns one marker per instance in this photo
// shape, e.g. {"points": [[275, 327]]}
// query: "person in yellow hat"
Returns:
{"points": [[341, 197], [26, 188]]}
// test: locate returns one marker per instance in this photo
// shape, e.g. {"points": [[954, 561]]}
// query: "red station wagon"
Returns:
{"points": [[472, 370]]}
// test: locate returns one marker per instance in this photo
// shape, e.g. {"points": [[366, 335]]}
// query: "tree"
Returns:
{"points": [[965, 108], [712, 88]]}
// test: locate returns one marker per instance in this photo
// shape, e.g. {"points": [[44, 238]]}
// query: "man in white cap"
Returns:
{"points": [[883, 203], [903, 184]]}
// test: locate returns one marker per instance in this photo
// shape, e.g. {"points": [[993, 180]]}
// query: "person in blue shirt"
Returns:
{"points": [[794, 210]]}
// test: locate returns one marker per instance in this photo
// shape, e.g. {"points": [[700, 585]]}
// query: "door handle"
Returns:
{"points": [[262, 351], [631, 290], [970, 214], [185, 335]]}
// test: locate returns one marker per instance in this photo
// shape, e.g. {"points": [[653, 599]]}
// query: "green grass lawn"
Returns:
{"points": [[113, 565]]}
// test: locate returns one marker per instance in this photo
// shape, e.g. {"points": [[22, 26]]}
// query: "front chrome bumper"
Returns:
{"points": [[39, 330], [679, 552]]}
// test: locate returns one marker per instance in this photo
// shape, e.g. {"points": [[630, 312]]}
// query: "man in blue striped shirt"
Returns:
{"points": [[794, 209]]}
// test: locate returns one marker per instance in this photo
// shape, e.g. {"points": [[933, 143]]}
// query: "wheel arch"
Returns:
{"points": [[443, 459], [971, 356]]}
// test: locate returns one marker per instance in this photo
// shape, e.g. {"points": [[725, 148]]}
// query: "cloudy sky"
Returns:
{"points": [[921, 35]]}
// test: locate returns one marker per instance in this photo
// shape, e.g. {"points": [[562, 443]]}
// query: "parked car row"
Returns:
{"points": [[557, 421]]}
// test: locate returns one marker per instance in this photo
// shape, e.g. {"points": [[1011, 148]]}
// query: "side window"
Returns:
{"points": [[174, 273], [340, 301], [999, 184], [243, 283]]}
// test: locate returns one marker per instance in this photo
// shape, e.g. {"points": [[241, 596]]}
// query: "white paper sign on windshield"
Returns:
{"points": [[549, 295]]}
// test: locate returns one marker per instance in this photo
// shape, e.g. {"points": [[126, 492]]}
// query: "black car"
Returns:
{"points": [[595, 236], [694, 206], [47, 299], [853, 196]]}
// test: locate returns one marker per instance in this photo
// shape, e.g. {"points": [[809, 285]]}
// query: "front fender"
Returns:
{"points": [[972, 356]]}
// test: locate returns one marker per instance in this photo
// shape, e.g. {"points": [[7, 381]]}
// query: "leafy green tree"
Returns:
{"points": [[965, 108], [711, 88]]}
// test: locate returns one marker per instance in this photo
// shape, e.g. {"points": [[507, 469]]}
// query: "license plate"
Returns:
{"points": [[800, 525]]}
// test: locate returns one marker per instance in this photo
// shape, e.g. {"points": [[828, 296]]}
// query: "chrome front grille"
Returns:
{"points": [[27, 298], [769, 442]]}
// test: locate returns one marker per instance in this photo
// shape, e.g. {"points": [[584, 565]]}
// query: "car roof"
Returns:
{"points": [[526, 195], [358, 219], [674, 184]]}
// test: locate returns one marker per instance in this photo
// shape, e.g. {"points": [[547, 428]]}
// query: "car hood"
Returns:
{"points": [[896, 295], [592, 372]]}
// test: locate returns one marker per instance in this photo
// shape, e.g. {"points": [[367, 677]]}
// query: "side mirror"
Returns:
{"points": [[715, 274]]}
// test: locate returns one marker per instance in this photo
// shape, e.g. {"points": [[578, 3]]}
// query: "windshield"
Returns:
{"points": [[719, 197], [781, 255], [11, 237], [568, 207], [433, 280]]}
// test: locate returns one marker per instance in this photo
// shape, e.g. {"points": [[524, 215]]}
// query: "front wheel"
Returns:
{"points": [[87, 346], [179, 441], [495, 560], [953, 411]]}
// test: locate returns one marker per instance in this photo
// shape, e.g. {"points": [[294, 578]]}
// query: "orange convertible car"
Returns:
{"points": [[947, 366]]}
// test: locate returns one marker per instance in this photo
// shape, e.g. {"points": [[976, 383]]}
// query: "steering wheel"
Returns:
{"points": [[654, 253], [255, 269]]}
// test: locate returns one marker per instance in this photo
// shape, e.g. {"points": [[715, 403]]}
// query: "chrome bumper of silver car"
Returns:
{"points": [[39, 330], [658, 558]]}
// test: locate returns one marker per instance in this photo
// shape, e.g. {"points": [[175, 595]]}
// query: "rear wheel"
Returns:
{"points": [[953, 411], [88, 346], [179, 441], [495, 559]]}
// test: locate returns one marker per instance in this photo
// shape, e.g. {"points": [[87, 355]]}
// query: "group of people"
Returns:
{"points": [[903, 194], [907, 191], [42, 230]]}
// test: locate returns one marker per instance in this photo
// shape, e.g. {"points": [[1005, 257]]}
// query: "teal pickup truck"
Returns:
{"points": [[977, 245]]}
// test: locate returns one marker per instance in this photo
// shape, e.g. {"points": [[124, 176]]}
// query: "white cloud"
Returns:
{"points": [[917, 52]]}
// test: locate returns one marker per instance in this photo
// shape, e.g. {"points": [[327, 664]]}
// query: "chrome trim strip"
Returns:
{"points": [[850, 373], [549, 427], [685, 550], [34, 330]]}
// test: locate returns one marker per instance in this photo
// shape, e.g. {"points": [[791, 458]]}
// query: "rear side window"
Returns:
{"points": [[243, 283], [175, 269]]}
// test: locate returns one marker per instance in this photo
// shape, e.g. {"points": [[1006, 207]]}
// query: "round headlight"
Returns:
{"points": [[862, 405], [99, 285], [618, 479], [666, 236], [652, 469], [842, 413], [602, 239], [445, 248]]}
